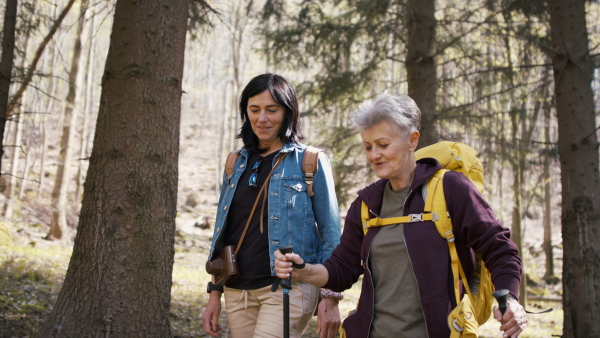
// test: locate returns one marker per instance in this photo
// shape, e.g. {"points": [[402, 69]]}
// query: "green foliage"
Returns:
{"points": [[494, 74], [526, 7], [344, 44], [349, 166], [345, 47], [272, 9], [201, 19]]}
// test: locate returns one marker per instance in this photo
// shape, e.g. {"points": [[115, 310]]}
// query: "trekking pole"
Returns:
{"points": [[502, 298], [286, 284]]}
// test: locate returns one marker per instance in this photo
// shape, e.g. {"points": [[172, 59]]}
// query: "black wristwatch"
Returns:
{"points": [[212, 287]]}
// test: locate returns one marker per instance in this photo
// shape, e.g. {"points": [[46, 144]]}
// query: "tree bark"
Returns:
{"points": [[58, 222], [6, 65], [579, 161], [421, 66], [118, 282]]}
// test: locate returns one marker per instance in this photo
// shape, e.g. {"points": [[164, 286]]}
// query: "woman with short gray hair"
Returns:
{"points": [[407, 288], [399, 110]]}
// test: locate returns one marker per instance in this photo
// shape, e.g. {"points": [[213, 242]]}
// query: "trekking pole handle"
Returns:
{"points": [[285, 283], [285, 249], [502, 298]]}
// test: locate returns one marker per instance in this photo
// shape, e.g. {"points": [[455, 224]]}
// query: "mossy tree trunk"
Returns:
{"points": [[579, 162], [118, 283]]}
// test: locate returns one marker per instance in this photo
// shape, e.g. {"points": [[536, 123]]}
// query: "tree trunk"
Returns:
{"points": [[49, 59], [579, 161], [43, 136], [421, 67], [16, 155], [219, 159], [239, 33], [516, 163], [118, 282], [28, 156], [87, 108], [6, 64], [517, 211], [547, 244], [58, 223], [17, 139]]}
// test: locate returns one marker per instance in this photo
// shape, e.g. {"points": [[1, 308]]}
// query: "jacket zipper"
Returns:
{"points": [[413, 272], [412, 269], [372, 285], [366, 262]]}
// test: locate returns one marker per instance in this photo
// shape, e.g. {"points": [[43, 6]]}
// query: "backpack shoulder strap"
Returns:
{"points": [[230, 162], [435, 202], [310, 164], [378, 222], [364, 216]]}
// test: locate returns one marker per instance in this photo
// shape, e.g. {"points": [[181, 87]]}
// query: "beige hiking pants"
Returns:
{"points": [[259, 313]]}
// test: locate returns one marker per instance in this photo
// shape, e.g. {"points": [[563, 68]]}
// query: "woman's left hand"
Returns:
{"points": [[328, 318], [514, 319]]}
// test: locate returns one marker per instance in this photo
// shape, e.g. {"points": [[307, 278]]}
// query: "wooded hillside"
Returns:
{"points": [[518, 80]]}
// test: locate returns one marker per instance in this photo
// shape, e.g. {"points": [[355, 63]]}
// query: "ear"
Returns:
{"points": [[414, 140]]}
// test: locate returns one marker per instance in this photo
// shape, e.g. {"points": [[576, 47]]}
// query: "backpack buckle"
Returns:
{"points": [[450, 236], [416, 217], [434, 216], [456, 327]]}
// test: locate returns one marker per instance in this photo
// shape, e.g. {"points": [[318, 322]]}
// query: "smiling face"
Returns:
{"points": [[266, 117], [390, 153]]}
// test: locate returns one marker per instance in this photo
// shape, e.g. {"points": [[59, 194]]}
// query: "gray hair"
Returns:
{"points": [[401, 110]]}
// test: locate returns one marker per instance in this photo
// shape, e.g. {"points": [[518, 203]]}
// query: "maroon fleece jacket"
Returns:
{"points": [[476, 230]]}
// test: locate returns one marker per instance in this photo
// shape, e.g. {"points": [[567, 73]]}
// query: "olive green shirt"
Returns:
{"points": [[397, 311]]}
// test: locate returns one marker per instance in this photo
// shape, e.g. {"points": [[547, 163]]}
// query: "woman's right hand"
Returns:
{"points": [[315, 274], [210, 317], [283, 263]]}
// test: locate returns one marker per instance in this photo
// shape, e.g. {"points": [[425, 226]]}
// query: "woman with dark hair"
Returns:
{"points": [[281, 92], [288, 216]]}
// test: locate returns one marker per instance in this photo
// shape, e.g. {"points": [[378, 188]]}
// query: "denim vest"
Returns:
{"points": [[311, 225]]}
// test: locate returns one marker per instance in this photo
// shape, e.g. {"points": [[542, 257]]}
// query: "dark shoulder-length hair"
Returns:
{"points": [[285, 95]]}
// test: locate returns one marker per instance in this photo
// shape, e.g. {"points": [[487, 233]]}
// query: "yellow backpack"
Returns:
{"points": [[476, 306]]}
